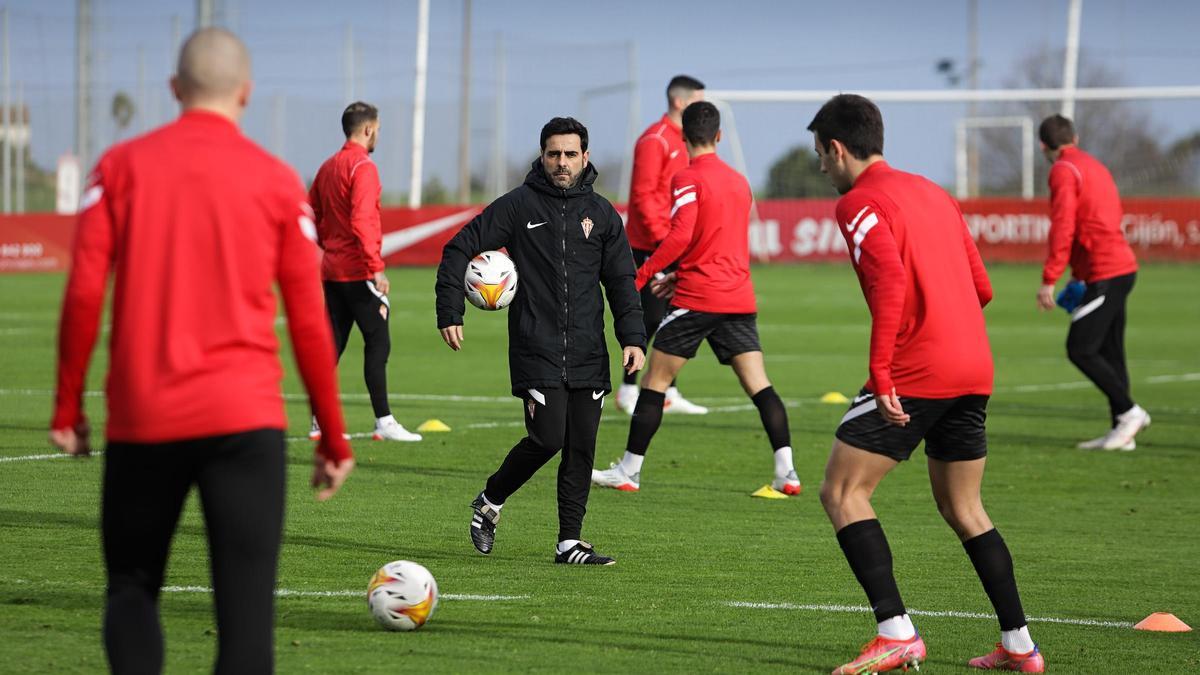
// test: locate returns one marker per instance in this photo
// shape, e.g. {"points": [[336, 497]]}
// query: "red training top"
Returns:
{"points": [[1085, 221], [345, 196], [710, 232], [660, 153], [197, 223], [924, 283]]}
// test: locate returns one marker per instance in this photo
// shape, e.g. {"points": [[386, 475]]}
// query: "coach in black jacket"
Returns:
{"points": [[565, 240]]}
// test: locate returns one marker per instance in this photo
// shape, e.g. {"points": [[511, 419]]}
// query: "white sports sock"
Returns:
{"points": [[489, 503], [632, 464], [672, 392], [566, 545], [380, 421], [783, 461], [897, 628], [1017, 641]]}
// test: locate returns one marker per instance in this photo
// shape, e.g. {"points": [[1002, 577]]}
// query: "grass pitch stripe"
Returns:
{"points": [[292, 593], [1099, 623]]}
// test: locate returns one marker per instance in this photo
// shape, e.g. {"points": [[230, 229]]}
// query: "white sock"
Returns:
{"points": [[1017, 641], [897, 628], [380, 421], [631, 463], [783, 461], [566, 545], [672, 392], [489, 503]]}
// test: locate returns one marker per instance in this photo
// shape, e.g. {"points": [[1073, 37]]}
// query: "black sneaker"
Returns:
{"points": [[582, 554], [483, 525]]}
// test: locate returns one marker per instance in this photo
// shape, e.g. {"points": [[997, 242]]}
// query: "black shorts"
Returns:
{"points": [[682, 331], [952, 428]]}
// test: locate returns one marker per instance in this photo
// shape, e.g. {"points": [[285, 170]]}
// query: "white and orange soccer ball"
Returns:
{"points": [[491, 280], [402, 595]]}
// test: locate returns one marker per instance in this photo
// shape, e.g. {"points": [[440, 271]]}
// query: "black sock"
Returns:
{"points": [[870, 559], [774, 417], [994, 566], [647, 416]]}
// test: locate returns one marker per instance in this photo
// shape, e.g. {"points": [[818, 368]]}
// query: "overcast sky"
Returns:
{"points": [[554, 53]]}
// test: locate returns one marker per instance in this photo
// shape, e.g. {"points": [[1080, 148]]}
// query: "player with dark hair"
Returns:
{"points": [[1085, 230], [659, 154], [711, 296], [566, 241], [930, 378], [197, 224], [345, 197]]}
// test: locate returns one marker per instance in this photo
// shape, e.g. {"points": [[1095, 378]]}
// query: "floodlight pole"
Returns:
{"points": [[8, 116], [22, 146], [348, 64], [204, 13], [464, 115], [499, 162], [83, 86], [631, 132], [418, 127], [1071, 62]]}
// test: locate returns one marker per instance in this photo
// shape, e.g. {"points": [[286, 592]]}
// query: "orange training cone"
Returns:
{"points": [[1164, 622]]}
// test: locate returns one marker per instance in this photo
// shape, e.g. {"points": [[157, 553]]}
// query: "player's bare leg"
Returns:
{"points": [[625, 475], [748, 366], [851, 476], [956, 490]]}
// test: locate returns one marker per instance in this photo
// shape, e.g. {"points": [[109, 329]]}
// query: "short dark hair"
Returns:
{"points": [[1056, 131], [682, 85], [357, 114], [565, 125], [854, 121], [701, 122]]}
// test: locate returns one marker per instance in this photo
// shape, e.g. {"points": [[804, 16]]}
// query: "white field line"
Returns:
{"points": [[1101, 623], [792, 403], [456, 398], [1081, 384], [57, 455], [291, 593]]}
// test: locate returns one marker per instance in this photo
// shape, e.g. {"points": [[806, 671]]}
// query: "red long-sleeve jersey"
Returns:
{"points": [[345, 197], [710, 237], [924, 282], [197, 224], [660, 153], [1085, 221]]}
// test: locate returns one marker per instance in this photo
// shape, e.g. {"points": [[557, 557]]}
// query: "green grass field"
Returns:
{"points": [[1100, 539]]}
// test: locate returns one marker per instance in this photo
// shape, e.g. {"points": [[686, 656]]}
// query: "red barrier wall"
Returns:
{"points": [[789, 230]]}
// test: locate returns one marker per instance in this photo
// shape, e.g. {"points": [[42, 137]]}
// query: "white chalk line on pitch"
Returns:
{"points": [[1017, 389], [292, 593], [1099, 623]]}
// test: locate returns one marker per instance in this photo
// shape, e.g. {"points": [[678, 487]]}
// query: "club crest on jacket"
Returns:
{"points": [[586, 224]]}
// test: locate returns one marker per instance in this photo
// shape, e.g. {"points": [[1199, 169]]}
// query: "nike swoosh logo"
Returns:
{"points": [[683, 189], [597, 394], [673, 154], [530, 225], [861, 398]]}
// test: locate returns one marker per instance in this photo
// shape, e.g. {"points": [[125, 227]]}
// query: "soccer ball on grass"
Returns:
{"points": [[402, 595]]}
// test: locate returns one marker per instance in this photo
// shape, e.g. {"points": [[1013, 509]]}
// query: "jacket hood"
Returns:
{"points": [[536, 179]]}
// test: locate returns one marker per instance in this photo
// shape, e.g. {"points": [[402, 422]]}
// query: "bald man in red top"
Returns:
{"points": [[196, 225], [1085, 231], [929, 379]]}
